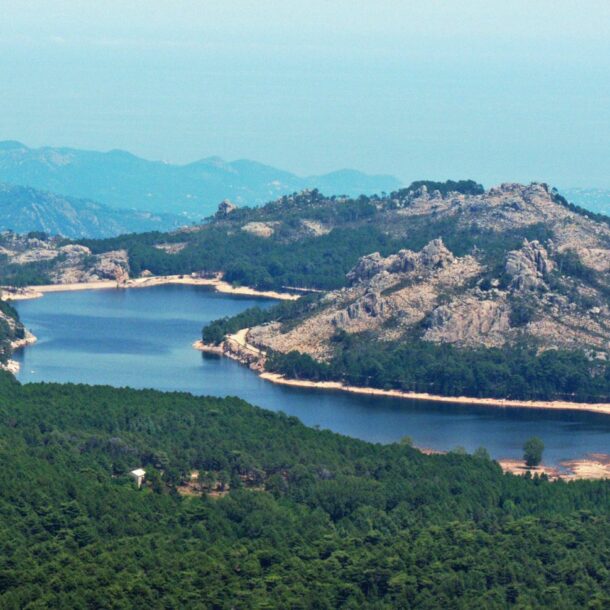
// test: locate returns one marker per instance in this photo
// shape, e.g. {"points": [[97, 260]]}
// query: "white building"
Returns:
{"points": [[138, 474]]}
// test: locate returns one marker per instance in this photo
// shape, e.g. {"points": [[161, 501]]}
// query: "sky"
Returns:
{"points": [[493, 90]]}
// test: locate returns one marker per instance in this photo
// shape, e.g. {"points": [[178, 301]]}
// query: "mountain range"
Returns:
{"points": [[26, 210], [122, 180]]}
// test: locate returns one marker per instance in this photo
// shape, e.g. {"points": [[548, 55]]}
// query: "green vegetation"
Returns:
{"points": [[318, 262], [214, 332], [596, 216], [466, 187], [311, 519], [292, 256], [309, 262], [512, 372], [532, 452], [29, 274], [10, 329]]}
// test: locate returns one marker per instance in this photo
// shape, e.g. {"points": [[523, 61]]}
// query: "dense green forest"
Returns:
{"points": [[28, 274], [306, 518], [517, 372], [312, 262]]}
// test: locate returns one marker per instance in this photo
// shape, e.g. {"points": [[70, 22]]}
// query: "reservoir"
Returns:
{"points": [[143, 338]]}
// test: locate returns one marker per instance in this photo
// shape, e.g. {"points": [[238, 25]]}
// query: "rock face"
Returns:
{"points": [[80, 266], [261, 229], [387, 296], [440, 297], [529, 266], [470, 321], [433, 256], [71, 263]]}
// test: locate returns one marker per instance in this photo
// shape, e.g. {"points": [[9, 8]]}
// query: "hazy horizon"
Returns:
{"points": [[492, 91]]}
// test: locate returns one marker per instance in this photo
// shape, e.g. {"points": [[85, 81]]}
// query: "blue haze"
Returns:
{"points": [[492, 90]]}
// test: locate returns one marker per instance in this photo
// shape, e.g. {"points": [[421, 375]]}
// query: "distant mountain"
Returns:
{"points": [[120, 179], [24, 209], [596, 200]]}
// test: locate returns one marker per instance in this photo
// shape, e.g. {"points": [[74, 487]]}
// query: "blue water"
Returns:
{"points": [[142, 338]]}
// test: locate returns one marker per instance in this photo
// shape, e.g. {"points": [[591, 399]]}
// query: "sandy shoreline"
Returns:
{"points": [[34, 292], [592, 466], [603, 408], [240, 338]]}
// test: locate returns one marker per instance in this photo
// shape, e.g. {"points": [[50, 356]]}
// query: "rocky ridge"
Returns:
{"points": [[444, 298], [437, 296], [69, 263]]}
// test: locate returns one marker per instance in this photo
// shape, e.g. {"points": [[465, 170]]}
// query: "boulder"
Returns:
{"points": [[529, 266]]}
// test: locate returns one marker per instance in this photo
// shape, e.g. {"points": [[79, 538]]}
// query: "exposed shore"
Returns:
{"points": [[239, 340], [603, 408], [593, 466], [217, 283]]}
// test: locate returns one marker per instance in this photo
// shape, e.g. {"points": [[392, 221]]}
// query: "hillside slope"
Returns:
{"points": [[25, 210], [502, 293], [596, 200], [122, 180], [244, 508]]}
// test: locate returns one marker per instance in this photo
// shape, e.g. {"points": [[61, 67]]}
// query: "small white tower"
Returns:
{"points": [[138, 474]]}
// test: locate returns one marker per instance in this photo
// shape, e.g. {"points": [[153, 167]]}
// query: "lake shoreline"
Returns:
{"points": [[105, 337], [217, 283], [594, 466], [602, 408], [247, 354]]}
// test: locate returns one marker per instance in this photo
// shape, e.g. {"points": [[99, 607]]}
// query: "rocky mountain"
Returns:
{"points": [[63, 263], [122, 180], [439, 297], [553, 291], [25, 210]]}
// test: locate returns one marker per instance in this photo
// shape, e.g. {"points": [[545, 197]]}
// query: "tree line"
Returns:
{"points": [[516, 371]]}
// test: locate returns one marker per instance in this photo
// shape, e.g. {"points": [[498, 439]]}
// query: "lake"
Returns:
{"points": [[142, 338]]}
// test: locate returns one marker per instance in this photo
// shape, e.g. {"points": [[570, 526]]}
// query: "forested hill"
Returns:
{"points": [[310, 240], [311, 519], [502, 293]]}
